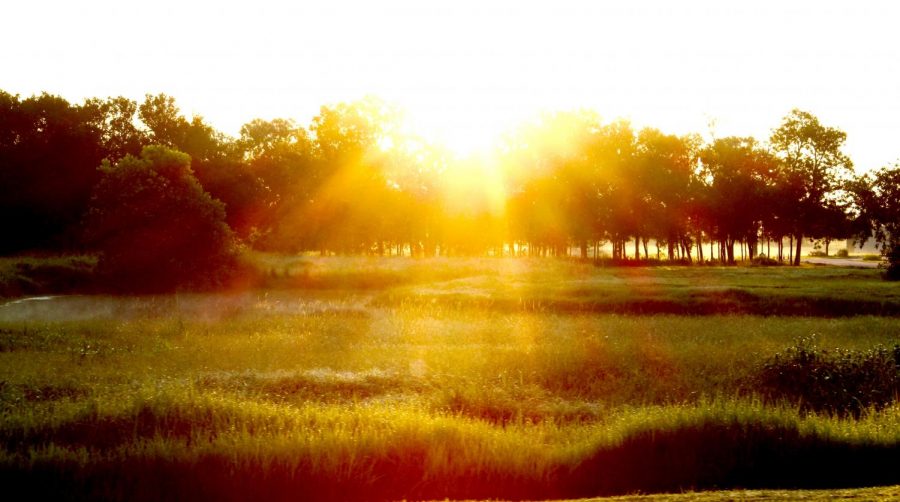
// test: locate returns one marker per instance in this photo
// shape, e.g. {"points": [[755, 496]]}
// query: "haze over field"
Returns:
{"points": [[468, 71]]}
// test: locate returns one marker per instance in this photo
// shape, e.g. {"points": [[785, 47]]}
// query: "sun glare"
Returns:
{"points": [[464, 129]]}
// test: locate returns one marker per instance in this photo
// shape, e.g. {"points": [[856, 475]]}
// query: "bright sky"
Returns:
{"points": [[465, 71]]}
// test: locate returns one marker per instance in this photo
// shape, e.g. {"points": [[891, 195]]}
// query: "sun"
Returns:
{"points": [[468, 126]]}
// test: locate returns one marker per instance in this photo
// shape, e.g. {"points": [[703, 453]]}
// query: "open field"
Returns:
{"points": [[386, 379]]}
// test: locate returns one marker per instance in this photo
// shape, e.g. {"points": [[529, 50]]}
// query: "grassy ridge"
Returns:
{"points": [[234, 448]]}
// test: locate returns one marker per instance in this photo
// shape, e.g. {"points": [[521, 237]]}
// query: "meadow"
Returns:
{"points": [[393, 378]]}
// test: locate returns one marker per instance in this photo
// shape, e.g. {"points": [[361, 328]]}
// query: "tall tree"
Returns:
{"points": [[739, 173], [280, 157], [877, 199], [665, 169], [815, 164], [116, 120], [49, 153], [352, 140]]}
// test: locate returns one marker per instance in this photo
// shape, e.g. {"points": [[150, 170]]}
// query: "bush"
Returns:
{"points": [[155, 226], [764, 261], [842, 253], [843, 382]]}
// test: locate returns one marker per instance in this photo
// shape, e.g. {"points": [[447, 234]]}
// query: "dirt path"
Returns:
{"points": [[879, 493], [842, 262]]}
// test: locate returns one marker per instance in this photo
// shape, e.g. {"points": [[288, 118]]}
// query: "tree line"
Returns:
{"points": [[76, 176]]}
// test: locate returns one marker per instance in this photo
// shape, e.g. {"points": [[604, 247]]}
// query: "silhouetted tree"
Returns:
{"points": [[877, 198], [351, 146], [814, 162], [49, 152], [739, 174], [116, 121], [614, 151], [665, 167], [354, 182], [155, 226]]}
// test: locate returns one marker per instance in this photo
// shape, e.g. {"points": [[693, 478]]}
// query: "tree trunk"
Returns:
{"points": [[797, 254], [637, 248], [700, 247], [791, 250]]}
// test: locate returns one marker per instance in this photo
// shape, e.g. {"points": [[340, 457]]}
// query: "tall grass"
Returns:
{"points": [[177, 442]]}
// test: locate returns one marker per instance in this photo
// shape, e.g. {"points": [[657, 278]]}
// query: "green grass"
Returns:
{"points": [[399, 392]]}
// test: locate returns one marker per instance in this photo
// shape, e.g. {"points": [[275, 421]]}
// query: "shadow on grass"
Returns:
{"points": [[705, 456]]}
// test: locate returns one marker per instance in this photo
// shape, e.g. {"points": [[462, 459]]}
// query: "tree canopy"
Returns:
{"points": [[355, 181], [155, 226]]}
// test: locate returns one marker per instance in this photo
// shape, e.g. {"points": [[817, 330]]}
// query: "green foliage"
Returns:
{"points": [[155, 226], [842, 382]]}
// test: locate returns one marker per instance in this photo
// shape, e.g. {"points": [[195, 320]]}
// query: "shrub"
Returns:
{"points": [[840, 381], [842, 253], [155, 226], [764, 261]]}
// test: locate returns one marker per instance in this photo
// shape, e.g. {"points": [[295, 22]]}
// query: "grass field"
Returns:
{"points": [[470, 378]]}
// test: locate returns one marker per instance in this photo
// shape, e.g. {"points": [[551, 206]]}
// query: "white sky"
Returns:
{"points": [[467, 70]]}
